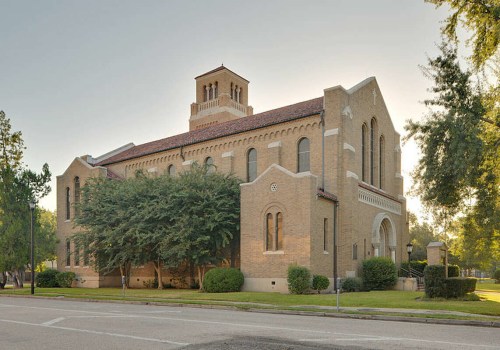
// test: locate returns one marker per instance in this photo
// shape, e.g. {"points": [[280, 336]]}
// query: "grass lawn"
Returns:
{"points": [[489, 305]]}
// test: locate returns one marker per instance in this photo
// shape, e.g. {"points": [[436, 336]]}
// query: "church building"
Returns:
{"points": [[322, 184]]}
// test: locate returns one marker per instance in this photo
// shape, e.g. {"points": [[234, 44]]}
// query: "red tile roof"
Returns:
{"points": [[256, 121]]}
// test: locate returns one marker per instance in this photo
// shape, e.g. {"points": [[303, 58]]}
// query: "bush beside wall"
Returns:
{"points": [[223, 280], [299, 279], [379, 273], [65, 279], [47, 279], [352, 284], [453, 271], [320, 282]]}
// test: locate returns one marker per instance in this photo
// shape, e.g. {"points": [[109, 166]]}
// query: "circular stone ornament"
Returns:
{"points": [[274, 187]]}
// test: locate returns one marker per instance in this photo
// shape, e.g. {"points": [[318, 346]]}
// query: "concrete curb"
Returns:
{"points": [[474, 323]]}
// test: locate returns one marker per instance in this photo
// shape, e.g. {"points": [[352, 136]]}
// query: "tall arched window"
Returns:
{"points": [[274, 231], [269, 231], [381, 160], [77, 196], [303, 155], [364, 151], [171, 170], [209, 163], [279, 231], [68, 204], [373, 136], [251, 165]]}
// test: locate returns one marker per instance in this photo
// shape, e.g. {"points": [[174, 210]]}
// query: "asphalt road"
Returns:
{"points": [[27, 323]]}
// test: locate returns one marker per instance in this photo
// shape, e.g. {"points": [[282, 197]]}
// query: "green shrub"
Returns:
{"points": [[379, 273], [352, 284], [457, 287], [434, 277], [65, 279], [150, 284], [320, 282], [47, 279], [222, 280], [299, 279], [453, 271], [496, 275]]}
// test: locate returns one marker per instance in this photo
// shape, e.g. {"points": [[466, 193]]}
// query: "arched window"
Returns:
{"points": [[77, 196], [274, 231], [373, 135], [364, 151], [269, 231], [279, 231], [325, 234], [68, 252], [251, 165], [209, 163], [171, 170], [68, 204], [381, 160], [303, 155]]}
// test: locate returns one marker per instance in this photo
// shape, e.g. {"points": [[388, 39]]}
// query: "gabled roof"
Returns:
{"points": [[256, 121], [218, 69]]}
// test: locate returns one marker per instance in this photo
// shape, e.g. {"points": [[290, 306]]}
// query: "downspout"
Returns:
{"points": [[335, 260], [322, 122]]}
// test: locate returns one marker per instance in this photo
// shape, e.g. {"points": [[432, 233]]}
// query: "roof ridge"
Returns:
{"points": [[231, 127]]}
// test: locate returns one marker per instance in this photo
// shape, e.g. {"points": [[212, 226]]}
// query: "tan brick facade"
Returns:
{"points": [[371, 215]]}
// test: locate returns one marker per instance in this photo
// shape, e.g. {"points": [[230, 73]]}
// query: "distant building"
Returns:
{"points": [[313, 170]]}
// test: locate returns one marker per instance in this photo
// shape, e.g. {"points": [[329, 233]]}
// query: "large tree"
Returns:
{"points": [[481, 18], [165, 220], [18, 186], [207, 207], [458, 171]]}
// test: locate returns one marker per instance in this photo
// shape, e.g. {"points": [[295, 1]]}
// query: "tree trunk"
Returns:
{"points": [[4, 280], [158, 268], [18, 278], [201, 275]]}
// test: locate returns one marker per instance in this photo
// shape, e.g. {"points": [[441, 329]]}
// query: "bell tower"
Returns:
{"points": [[221, 95]]}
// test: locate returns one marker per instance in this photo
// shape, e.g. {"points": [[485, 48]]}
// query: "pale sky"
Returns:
{"points": [[85, 77]]}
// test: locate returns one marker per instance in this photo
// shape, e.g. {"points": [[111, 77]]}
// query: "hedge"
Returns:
{"points": [[223, 280], [418, 265], [458, 287], [379, 273], [496, 275], [47, 279], [320, 282], [299, 279], [434, 277], [65, 279], [352, 284], [453, 271]]}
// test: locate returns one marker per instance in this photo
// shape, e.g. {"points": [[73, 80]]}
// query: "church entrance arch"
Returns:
{"points": [[384, 236]]}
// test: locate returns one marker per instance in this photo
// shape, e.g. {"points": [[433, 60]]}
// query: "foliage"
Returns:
{"points": [[352, 284], [459, 168], [453, 271], [19, 186], [223, 280], [320, 282], [188, 219], [299, 279], [421, 234], [434, 277], [480, 17], [496, 275], [47, 279], [65, 279], [379, 273], [457, 287], [418, 265]]}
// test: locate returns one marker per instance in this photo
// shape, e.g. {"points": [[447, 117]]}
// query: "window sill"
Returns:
{"points": [[325, 252], [274, 252], [67, 267]]}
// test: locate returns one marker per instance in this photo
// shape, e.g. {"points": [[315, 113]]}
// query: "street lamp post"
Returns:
{"points": [[32, 252], [409, 248]]}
